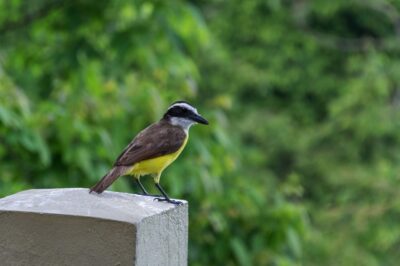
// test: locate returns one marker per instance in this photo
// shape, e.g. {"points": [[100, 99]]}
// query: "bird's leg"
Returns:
{"points": [[166, 198], [144, 191]]}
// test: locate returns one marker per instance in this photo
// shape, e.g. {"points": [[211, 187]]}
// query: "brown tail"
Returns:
{"points": [[108, 179]]}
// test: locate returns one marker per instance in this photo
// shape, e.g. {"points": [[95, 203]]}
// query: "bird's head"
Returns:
{"points": [[182, 114]]}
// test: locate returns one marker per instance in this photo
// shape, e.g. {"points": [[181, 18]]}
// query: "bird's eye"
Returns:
{"points": [[176, 111]]}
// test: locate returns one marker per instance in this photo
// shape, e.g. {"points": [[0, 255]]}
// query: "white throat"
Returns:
{"points": [[184, 123]]}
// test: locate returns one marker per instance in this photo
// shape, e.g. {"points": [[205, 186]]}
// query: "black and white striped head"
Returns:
{"points": [[182, 114]]}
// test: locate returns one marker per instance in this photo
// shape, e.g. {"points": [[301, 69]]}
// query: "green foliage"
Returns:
{"points": [[300, 162], [316, 104]]}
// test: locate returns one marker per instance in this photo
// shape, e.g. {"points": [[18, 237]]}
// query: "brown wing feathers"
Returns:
{"points": [[156, 140]]}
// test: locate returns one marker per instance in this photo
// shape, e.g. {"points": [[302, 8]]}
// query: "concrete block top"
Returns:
{"points": [[123, 207]]}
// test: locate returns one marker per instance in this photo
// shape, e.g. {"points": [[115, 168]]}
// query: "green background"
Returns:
{"points": [[300, 164]]}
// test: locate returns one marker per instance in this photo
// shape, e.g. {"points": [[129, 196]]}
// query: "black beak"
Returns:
{"points": [[199, 119]]}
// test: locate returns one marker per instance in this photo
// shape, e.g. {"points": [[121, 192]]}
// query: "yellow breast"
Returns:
{"points": [[155, 165]]}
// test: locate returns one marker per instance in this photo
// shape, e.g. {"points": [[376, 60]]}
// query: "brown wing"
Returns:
{"points": [[156, 140]]}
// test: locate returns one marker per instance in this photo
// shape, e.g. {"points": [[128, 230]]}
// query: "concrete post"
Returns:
{"points": [[72, 227]]}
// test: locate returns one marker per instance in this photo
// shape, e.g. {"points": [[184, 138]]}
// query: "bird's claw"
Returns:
{"points": [[176, 202]]}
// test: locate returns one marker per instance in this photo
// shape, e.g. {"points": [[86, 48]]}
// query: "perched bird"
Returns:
{"points": [[154, 148]]}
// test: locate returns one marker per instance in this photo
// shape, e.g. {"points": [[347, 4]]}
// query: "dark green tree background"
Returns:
{"points": [[300, 165]]}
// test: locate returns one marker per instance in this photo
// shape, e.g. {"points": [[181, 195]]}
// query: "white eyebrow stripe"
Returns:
{"points": [[184, 105]]}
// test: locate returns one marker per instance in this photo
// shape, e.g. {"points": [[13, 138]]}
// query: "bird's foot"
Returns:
{"points": [[176, 202]]}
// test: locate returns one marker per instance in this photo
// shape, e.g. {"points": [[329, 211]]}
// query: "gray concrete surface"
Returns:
{"points": [[73, 227]]}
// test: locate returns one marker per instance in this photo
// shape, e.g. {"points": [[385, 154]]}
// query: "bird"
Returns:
{"points": [[154, 148]]}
